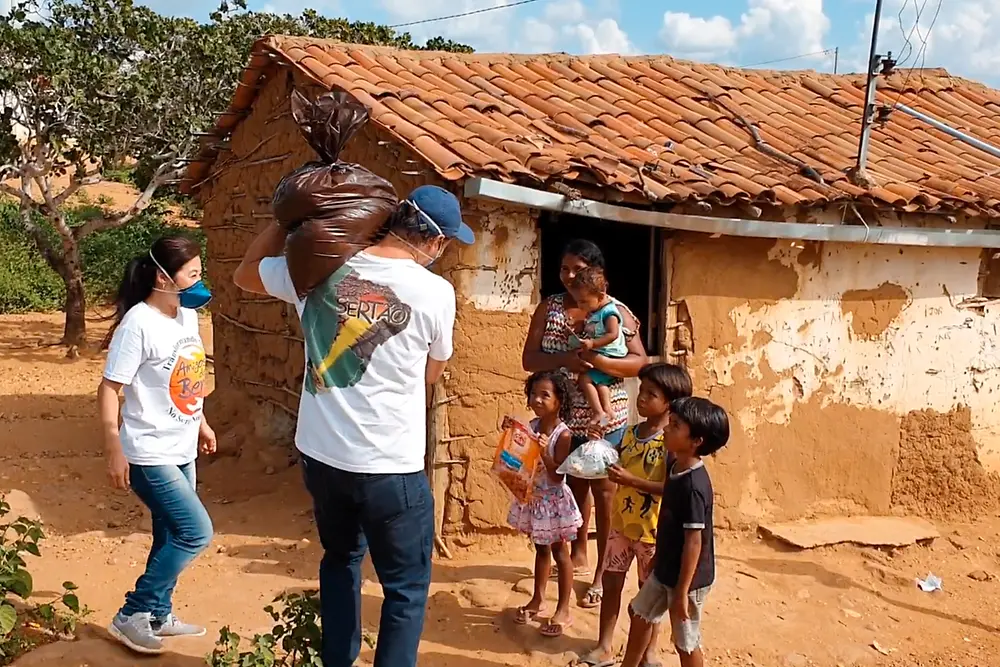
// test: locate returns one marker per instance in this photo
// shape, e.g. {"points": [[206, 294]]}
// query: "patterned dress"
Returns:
{"points": [[557, 338], [552, 514]]}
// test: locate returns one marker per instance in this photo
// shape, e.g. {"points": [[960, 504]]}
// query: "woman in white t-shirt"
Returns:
{"points": [[156, 359]]}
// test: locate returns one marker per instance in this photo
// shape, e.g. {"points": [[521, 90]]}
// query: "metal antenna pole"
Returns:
{"points": [[870, 87], [836, 58]]}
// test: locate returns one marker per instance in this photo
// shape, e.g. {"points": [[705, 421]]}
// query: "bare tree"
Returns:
{"points": [[88, 84]]}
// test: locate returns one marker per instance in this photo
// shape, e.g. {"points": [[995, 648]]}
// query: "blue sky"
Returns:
{"points": [[961, 36]]}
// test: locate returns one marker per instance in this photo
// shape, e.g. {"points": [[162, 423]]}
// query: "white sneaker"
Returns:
{"points": [[171, 626], [136, 632]]}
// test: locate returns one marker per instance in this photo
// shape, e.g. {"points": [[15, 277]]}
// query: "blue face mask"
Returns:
{"points": [[196, 296]]}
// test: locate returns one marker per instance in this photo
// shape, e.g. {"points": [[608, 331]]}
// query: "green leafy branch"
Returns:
{"points": [[23, 625], [294, 641]]}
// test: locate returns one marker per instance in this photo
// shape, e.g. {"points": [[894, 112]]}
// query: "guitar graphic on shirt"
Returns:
{"points": [[344, 321]]}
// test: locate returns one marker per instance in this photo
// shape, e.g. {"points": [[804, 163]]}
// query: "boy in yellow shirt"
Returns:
{"points": [[640, 475]]}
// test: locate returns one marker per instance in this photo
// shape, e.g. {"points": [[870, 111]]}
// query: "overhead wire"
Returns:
{"points": [[907, 49], [472, 12], [922, 51], [824, 52]]}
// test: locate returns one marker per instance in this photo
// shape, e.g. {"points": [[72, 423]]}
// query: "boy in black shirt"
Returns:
{"points": [[685, 545]]}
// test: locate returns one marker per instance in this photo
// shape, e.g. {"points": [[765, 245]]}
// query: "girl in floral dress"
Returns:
{"points": [[548, 347], [551, 518]]}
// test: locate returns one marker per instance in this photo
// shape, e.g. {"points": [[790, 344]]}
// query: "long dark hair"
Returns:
{"points": [[585, 250], [171, 252]]}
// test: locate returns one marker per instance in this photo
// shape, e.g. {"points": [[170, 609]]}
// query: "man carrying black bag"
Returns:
{"points": [[377, 332]]}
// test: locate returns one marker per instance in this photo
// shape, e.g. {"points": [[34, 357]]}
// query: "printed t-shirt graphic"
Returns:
{"points": [[344, 321], [637, 513], [187, 379], [160, 362]]}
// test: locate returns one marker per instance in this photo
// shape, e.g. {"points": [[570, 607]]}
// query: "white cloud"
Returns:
{"points": [[767, 29], [5, 6], [694, 36], [801, 24], [604, 36], [565, 11], [577, 26], [485, 31], [961, 38], [538, 37]]}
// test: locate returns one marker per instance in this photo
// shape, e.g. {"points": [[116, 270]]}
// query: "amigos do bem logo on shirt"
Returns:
{"points": [[344, 321], [187, 379]]}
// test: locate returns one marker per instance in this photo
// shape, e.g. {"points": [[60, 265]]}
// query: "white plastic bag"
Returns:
{"points": [[590, 460]]}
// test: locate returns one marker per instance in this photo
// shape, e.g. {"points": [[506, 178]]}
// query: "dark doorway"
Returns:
{"points": [[632, 254]]}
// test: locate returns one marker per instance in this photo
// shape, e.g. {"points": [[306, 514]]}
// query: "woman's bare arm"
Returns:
{"points": [[533, 359], [107, 409]]}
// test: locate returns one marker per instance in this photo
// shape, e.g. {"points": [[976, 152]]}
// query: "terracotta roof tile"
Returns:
{"points": [[669, 129]]}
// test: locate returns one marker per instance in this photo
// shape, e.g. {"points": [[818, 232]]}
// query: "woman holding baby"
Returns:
{"points": [[554, 343]]}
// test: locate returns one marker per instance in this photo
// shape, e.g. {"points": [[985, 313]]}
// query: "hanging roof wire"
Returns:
{"points": [[924, 43], [472, 12], [824, 52]]}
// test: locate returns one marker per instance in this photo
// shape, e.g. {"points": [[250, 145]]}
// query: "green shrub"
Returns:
{"points": [[25, 626], [28, 284], [293, 642], [26, 281], [119, 174]]}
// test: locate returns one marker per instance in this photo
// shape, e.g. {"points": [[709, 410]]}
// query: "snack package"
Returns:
{"points": [[590, 460], [516, 460], [332, 209]]}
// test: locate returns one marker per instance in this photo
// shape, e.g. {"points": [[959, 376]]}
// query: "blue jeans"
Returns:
{"points": [[181, 530], [393, 515]]}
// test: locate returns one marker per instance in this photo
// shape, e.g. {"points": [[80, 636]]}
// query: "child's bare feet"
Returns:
{"points": [[559, 623], [528, 612], [600, 419], [599, 657]]}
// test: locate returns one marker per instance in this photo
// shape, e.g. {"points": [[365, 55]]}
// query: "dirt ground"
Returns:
{"points": [[771, 606]]}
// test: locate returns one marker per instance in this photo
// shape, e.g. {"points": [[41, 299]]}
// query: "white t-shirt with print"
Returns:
{"points": [[369, 330], [161, 363]]}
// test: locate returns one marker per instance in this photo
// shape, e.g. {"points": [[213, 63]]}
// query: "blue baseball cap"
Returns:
{"points": [[440, 212]]}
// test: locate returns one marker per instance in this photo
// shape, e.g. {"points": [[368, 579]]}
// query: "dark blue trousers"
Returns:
{"points": [[393, 517]]}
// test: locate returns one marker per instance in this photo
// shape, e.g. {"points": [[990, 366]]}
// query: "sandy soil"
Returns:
{"points": [[771, 607]]}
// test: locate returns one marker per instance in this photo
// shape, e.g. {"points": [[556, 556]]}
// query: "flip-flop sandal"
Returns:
{"points": [[578, 573], [592, 598], [553, 630], [524, 616], [596, 662]]}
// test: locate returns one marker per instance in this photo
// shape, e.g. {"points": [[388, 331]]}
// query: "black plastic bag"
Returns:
{"points": [[332, 209]]}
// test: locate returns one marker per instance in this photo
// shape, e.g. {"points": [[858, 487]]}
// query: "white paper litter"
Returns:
{"points": [[930, 584]]}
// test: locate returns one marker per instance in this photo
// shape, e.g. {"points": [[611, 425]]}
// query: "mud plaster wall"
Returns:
{"points": [[258, 342], [823, 353], [497, 279], [259, 350]]}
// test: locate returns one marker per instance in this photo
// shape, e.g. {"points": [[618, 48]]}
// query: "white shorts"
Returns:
{"points": [[653, 603]]}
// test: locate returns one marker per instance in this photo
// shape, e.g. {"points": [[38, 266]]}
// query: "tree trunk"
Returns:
{"points": [[75, 329]]}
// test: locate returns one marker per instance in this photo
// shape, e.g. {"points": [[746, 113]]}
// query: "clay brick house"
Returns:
{"points": [[849, 330]]}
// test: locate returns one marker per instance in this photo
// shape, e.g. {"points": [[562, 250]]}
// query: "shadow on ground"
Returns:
{"points": [[95, 648], [52, 465]]}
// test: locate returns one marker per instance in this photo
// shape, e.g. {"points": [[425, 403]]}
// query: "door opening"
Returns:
{"points": [[632, 254]]}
